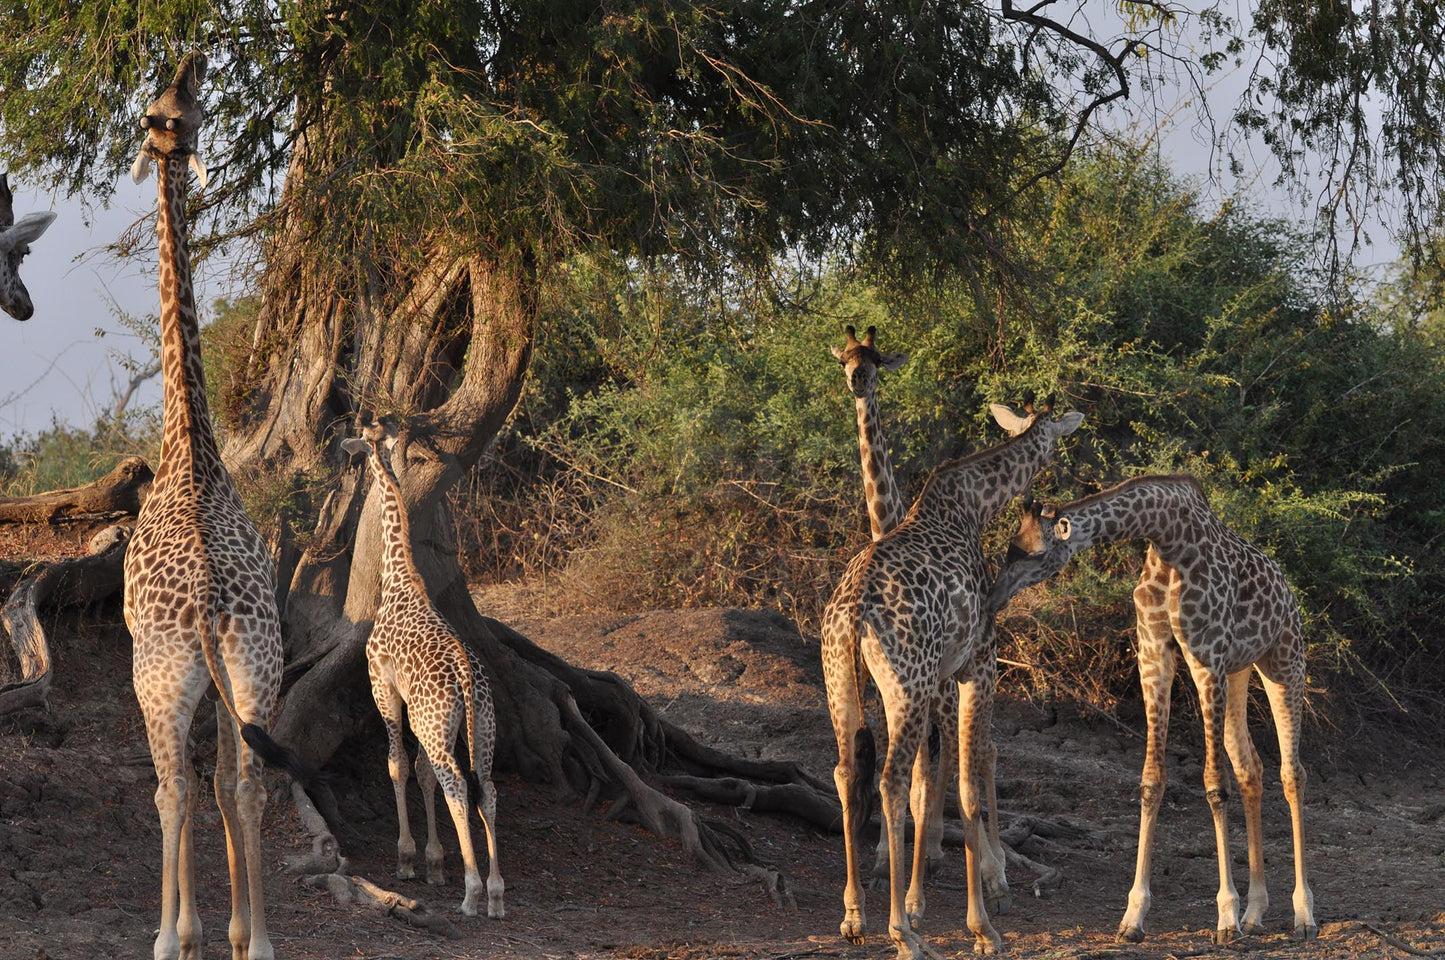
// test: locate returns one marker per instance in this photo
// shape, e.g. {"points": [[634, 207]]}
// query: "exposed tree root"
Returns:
{"points": [[77, 582]]}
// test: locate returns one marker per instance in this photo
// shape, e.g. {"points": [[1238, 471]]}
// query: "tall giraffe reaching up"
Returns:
{"points": [[417, 664], [912, 607], [15, 240], [887, 507], [199, 586], [1231, 610]]}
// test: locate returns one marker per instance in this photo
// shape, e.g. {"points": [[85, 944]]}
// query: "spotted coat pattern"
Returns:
{"points": [[199, 586], [418, 665], [15, 240], [912, 605], [861, 362], [1213, 597]]}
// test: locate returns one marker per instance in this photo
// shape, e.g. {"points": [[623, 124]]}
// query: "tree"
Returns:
{"points": [[414, 172]]}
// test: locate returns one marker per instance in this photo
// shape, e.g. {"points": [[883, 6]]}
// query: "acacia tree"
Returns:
{"points": [[414, 171]]}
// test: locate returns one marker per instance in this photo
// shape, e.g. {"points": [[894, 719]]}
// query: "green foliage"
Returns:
{"points": [[65, 456], [709, 444]]}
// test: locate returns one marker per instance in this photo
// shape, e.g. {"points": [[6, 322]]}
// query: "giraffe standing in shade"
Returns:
{"points": [[1231, 611], [15, 240], [912, 607], [199, 586], [417, 664], [861, 362]]}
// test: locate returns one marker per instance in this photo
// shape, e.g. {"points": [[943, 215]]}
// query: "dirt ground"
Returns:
{"points": [[79, 839]]}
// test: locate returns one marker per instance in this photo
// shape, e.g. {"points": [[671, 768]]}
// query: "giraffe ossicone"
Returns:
{"points": [[16, 236], [911, 610], [1213, 597], [423, 674]]}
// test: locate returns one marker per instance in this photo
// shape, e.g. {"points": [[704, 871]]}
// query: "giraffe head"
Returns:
{"points": [[861, 361], [1044, 543], [172, 124], [15, 240], [376, 436]]}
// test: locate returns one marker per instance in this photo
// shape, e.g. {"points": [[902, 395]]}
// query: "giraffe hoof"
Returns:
{"points": [[1251, 928], [437, 879], [851, 930], [997, 904], [1306, 931], [988, 943], [1130, 933], [1225, 935], [406, 873]]}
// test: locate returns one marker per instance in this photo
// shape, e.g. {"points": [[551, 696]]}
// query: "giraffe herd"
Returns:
{"points": [[912, 614]]}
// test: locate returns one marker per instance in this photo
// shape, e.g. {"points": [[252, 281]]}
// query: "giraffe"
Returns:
{"points": [[911, 607], [199, 586], [1230, 609], [861, 362], [15, 240], [418, 664]]}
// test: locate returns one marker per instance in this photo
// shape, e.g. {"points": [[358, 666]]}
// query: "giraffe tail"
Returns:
{"points": [[273, 754]]}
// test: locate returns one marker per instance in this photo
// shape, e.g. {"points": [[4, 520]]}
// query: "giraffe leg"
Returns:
{"points": [[227, 767], [976, 699], [389, 704], [920, 805], [454, 789], [945, 722], [970, 730], [1249, 774], [188, 920], [1214, 706], [907, 726], [166, 730], [855, 751], [1158, 661], [1286, 700], [487, 808], [426, 778], [250, 802]]}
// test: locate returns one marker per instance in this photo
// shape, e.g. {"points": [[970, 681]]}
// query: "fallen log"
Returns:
{"points": [[79, 581], [118, 493]]}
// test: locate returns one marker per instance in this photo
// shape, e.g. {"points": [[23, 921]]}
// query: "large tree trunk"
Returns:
{"points": [[448, 361]]}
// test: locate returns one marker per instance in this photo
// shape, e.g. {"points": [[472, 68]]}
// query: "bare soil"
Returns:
{"points": [[79, 839]]}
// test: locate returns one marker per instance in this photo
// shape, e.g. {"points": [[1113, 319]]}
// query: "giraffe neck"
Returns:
{"points": [[399, 574], [186, 435], [886, 508], [973, 490], [1169, 512]]}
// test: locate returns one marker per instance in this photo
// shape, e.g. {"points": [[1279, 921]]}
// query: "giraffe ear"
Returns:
{"points": [[351, 446], [1013, 422], [892, 361], [199, 165], [837, 353], [1068, 423], [26, 230], [141, 168], [1063, 529]]}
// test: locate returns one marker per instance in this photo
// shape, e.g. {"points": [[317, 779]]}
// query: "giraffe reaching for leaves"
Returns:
{"points": [[911, 608], [417, 664], [200, 587], [1231, 611]]}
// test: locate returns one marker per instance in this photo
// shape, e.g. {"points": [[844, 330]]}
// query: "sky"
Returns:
{"points": [[61, 363]]}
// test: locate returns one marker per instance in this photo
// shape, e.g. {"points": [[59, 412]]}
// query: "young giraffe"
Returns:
{"points": [[15, 240], [1230, 608], [418, 664], [861, 362], [912, 607], [199, 586]]}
